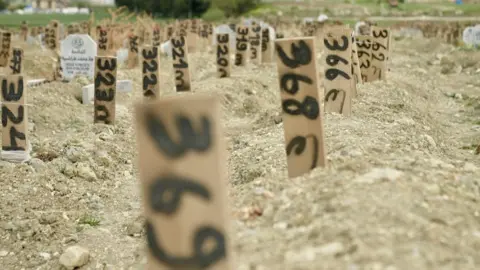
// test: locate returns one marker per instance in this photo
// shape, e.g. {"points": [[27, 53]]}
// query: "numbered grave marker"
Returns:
{"points": [[380, 37], [150, 71], [105, 89], [267, 46], [6, 46], [302, 116], [182, 170], [223, 55], [364, 52], [338, 71], [156, 37], [241, 53], [357, 74], [132, 59], [102, 42], [14, 114], [180, 63], [255, 44], [16, 61]]}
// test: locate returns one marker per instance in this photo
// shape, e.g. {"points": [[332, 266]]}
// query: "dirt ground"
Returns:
{"points": [[401, 191]]}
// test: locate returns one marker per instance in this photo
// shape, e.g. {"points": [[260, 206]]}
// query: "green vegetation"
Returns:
{"points": [[89, 220]]}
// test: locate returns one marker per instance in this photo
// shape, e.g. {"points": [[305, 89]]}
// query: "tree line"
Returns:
{"points": [[211, 9]]}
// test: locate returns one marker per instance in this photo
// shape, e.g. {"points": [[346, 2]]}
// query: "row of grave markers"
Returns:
{"points": [[183, 176]]}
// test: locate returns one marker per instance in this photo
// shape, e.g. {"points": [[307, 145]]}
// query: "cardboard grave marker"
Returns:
{"points": [[54, 36], [378, 69], [102, 41], [14, 114], [132, 60], [364, 52], [16, 61], [357, 75], [180, 63], [338, 71], [78, 56], [241, 53], [5, 51], [156, 37], [255, 44], [224, 67], [267, 46], [301, 101], [192, 36], [105, 89], [182, 168], [150, 71]]}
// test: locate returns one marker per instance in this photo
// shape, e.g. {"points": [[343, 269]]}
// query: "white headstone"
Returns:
{"points": [[78, 56]]}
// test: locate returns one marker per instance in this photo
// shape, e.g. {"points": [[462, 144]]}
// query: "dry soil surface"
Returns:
{"points": [[401, 190]]}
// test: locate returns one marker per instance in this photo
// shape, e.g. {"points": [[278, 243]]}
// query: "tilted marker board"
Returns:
{"points": [[364, 52], [241, 53], [255, 44], [302, 115], [338, 71], [14, 113], [380, 38], [182, 169], [223, 56], [105, 89], [150, 71]]}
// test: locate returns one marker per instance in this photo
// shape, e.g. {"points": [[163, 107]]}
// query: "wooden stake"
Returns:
{"points": [[379, 53], [5, 51], [364, 52], [151, 72], [133, 51], [255, 42], [338, 71], [180, 63], [241, 55], [16, 61], [223, 56], [267, 46], [105, 89], [14, 113], [302, 116], [182, 171]]}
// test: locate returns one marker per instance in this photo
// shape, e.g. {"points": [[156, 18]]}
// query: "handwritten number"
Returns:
{"points": [[309, 107], [302, 55], [333, 73], [8, 90], [294, 78], [189, 139], [298, 145], [336, 46]]}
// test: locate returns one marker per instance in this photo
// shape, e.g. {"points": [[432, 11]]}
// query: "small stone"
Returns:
{"points": [[136, 228], [47, 218], [84, 171], [37, 164], [331, 249], [74, 256], [378, 174], [469, 167], [46, 256], [430, 140], [458, 96], [277, 119], [3, 253]]}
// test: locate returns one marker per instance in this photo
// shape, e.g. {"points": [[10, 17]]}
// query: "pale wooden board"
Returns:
{"points": [[14, 113], [267, 46], [338, 71], [364, 52], [151, 72], [303, 124], [132, 60], [357, 74], [241, 53], [105, 89], [102, 41], [16, 61], [5, 50], [224, 65], [180, 63], [182, 153], [380, 38], [255, 44]]}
